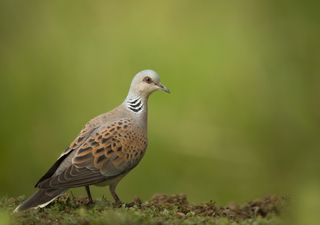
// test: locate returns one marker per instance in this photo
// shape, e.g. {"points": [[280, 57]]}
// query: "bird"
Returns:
{"points": [[106, 149]]}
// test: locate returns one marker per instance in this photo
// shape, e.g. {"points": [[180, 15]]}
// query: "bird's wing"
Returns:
{"points": [[107, 153], [85, 133], [81, 138]]}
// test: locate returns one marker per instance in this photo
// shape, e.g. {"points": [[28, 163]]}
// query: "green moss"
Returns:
{"points": [[160, 209]]}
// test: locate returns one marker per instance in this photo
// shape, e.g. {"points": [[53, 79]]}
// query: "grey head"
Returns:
{"points": [[144, 83]]}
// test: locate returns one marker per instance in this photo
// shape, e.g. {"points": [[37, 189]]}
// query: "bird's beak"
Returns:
{"points": [[163, 88]]}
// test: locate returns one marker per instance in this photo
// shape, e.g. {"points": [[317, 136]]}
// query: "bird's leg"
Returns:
{"points": [[116, 198], [89, 195]]}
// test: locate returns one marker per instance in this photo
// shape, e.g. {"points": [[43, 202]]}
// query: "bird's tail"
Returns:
{"points": [[40, 199]]}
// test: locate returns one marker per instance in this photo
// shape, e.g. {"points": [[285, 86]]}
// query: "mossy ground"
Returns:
{"points": [[160, 209]]}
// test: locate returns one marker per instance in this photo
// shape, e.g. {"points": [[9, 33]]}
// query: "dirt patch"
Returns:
{"points": [[160, 209], [260, 207], [181, 207]]}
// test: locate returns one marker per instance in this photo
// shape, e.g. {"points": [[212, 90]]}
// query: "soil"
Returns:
{"points": [[160, 209]]}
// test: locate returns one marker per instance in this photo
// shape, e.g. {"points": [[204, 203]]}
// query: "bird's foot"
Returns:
{"points": [[90, 203], [117, 204], [135, 203]]}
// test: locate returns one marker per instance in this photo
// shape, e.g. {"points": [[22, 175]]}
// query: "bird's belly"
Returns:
{"points": [[114, 180], [102, 184]]}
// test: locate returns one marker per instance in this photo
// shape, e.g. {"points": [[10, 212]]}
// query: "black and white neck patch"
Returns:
{"points": [[135, 105]]}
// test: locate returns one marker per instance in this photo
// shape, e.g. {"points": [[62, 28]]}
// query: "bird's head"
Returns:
{"points": [[146, 82]]}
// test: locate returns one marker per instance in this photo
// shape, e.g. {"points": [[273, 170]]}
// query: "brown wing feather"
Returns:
{"points": [[109, 152], [73, 177], [114, 149]]}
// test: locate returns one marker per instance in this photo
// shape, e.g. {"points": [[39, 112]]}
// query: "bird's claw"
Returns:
{"points": [[117, 204]]}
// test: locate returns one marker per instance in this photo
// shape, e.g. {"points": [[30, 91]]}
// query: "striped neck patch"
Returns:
{"points": [[135, 105]]}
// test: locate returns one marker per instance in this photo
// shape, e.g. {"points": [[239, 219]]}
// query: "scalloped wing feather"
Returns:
{"points": [[108, 152]]}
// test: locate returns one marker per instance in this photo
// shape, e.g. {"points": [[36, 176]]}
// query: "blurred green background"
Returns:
{"points": [[243, 119]]}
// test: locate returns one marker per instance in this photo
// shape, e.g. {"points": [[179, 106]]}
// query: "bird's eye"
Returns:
{"points": [[147, 80]]}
